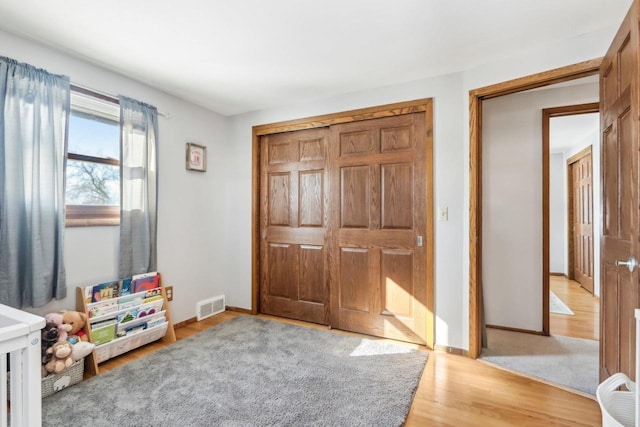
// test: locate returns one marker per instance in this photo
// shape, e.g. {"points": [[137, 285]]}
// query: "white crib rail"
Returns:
{"points": [[637, 389], [20, 338]]}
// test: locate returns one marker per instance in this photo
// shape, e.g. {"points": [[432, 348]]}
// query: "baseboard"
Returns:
{"points": [[451, 350], [184, 323], [508, 328], [558, 274], [238, 310]]}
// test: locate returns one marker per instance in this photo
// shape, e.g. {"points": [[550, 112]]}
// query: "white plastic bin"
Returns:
{"points": [[620, 408]]}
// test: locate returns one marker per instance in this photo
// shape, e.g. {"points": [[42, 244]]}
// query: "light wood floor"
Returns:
{"points": [[454, 390], [586, 322]]}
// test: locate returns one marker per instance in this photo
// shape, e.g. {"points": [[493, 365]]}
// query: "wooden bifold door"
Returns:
{"points": [[343, 223]]}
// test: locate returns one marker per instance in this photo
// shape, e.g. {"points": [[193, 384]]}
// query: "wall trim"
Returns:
{"points": [[451, 350], [238, 309], [523, 331], [184, 323]]}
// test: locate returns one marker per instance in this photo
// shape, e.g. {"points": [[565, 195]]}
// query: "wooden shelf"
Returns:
{"points": [[127, 343]]}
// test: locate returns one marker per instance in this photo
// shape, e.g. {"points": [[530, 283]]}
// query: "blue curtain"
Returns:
{"points": [[34, 117], [138, 187]]}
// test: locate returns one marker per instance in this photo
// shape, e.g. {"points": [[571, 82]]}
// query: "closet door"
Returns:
{"points": [[293, 220], [582, 185], [378, 225]]}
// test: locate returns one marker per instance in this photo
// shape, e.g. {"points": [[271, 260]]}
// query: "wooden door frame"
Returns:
{"points": [[476, 96], [547, 114], [396, 109]]}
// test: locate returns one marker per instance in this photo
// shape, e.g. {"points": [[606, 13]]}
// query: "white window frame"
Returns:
{"points": [[87, 101]]}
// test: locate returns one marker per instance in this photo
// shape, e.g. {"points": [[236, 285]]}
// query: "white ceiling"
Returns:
{"points": [[236, 56], [569, 131]]}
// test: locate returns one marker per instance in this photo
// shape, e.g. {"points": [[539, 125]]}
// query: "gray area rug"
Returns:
{"points": [[570, 362], [250, 372]]}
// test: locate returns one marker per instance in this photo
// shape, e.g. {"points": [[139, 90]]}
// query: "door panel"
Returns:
{"points": [[396, 271], [397, 197], [279, 197], [355, 278], [354, 203], [282, 271], [311, 209], [619, 125], [312, 274], [378, 271], [294, 275]]}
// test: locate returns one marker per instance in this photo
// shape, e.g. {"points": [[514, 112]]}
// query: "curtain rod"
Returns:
{"points": [[105, 96]]}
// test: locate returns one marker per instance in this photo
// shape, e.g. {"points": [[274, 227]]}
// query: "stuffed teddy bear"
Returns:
{"points": [[76, 320], [61, 357], [63, 329], [48, 336], [82, 349]]}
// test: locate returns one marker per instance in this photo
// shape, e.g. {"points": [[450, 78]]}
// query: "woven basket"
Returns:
{"points": [[56, 382]]}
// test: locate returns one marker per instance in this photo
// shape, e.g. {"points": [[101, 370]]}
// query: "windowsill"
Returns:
{"points": [[92, 222], [92, 216]]}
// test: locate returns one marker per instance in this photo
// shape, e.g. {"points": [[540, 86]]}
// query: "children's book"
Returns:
{"points": [[103, 332], [153, 298], [128, 316], [101, 309], [155, 322], [124, 286], [153, 292], [144, 282], [105, 291], [130, 330], [129, 302]]}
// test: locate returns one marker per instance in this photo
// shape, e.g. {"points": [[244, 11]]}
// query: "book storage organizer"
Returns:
{"points": [[123, 315]]}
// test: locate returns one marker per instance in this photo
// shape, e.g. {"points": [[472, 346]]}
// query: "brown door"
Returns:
{"points": [[378, 218], [581, 174], [294, 276], [620, 230]]}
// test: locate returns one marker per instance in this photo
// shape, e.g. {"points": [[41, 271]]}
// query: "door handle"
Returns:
{"points": [[263, 234], [419, 241], [631, 264]]}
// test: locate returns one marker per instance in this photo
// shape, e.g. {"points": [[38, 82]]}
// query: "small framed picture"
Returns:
{"points": [[196, 157]]}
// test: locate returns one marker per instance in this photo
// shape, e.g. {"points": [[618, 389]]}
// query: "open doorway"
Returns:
{"points": [[518, 234], [574, 220]]}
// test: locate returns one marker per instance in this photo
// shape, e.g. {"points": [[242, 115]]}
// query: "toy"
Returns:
{"points": [[76, 320], [63, 328], [61, 357], [82, 349], [48, 336]]}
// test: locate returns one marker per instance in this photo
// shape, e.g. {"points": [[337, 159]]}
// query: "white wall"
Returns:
{"points": [[191, 219], [512, 202], [557, 214]]}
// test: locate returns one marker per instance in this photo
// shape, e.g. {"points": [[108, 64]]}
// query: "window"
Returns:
{"points": [[93, 165]]}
